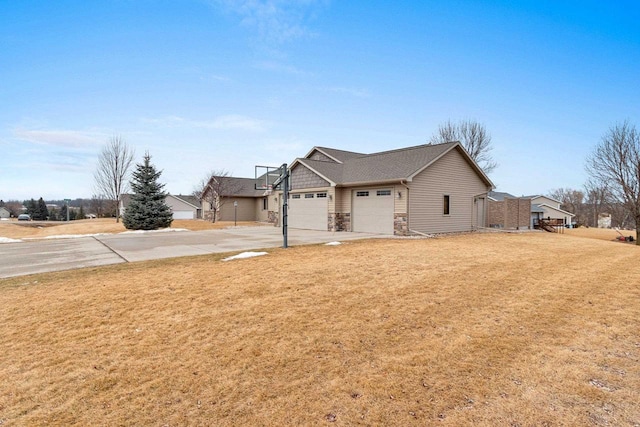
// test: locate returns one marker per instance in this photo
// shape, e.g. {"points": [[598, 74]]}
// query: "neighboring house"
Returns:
{"points": [[183, 207], [507, 211], [544, 207], [424, 189], [4, 212], [239, 201]]}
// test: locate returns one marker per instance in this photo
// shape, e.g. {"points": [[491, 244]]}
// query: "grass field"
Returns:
{"points": [[481, 329], [38, 229]]}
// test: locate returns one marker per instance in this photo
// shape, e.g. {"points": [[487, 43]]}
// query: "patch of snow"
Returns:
{"points": [[4, 219], [333, 244], [245, 255], [162, 230], [8, 240]]}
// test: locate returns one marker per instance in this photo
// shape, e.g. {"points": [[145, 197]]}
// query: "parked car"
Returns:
{"points": [[24, 217]]}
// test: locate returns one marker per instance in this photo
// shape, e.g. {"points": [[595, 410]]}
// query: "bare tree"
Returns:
{"points": [[474, 138], [111, 175], [571, 200], [215, 189], [598, 201], [615, 162]]}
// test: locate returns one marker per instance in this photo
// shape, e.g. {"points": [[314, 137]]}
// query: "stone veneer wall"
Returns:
{"points": [[339, 222], [400, 224], [272, 218]]}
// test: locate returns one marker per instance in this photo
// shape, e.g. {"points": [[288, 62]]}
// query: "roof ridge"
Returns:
{"points": [[342, 151], [415, 147]]}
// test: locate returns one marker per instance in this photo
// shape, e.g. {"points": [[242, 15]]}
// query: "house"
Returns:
{"points": [[4, 212], [545, 207], [507, 211], [231, 198], [423, 189], [183, 207]]}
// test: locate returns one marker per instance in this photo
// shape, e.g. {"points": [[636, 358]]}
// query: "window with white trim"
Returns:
{"points": [[308, 196], [383, 193], [362, 194], [295, 196], [321, 195]]}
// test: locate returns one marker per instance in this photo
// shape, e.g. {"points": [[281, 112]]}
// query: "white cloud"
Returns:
{"points": [[276, 21], [61, 138]]}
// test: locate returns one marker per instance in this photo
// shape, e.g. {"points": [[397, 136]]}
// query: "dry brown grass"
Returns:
{"points": [[599, 233], [486, 329], [37, 229]]}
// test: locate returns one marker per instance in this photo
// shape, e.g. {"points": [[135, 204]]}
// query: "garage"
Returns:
{"points": [[183, 215], [372, 210], [308, 211]]}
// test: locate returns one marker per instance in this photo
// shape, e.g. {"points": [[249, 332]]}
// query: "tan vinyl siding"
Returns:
{"points": [[400, 202], [452, 176], [343, 200], [260, 213], [246, 209]]}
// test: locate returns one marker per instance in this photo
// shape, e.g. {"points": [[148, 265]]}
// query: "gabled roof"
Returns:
{"points": [[340, 156], [556, 209], [243, 187], [499, 196], [536, 209], [535, 196], [386, 166], [191, 200]]}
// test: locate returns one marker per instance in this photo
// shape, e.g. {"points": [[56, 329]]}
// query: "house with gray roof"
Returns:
{"points": [[433, 188], [232, 198]]}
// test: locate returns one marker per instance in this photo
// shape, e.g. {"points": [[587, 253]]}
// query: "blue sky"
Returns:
{"points": [[218, 84]]}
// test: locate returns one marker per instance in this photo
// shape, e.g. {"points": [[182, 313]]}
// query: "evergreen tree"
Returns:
{"points": [[63, 213], [147, 209], [31, 206], [81, 213], [41, 212]]}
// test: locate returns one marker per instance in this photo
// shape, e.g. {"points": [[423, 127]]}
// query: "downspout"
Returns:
{"points": [[403, 183]]}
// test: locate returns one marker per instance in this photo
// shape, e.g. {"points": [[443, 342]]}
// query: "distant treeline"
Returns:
{"points": [[55, 210]]}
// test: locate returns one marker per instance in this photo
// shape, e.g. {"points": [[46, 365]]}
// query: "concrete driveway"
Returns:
{"points": [[44, 255]]}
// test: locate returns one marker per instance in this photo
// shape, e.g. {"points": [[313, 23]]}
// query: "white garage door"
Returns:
{"points": [[308, 211], [183, 214], [373, 211]]}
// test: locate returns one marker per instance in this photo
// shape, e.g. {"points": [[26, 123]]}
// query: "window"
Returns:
{"points": [[321, 195], [446, 205], [265, 204], [383, 193], [362, 194], [295, 196], [308, 196]]}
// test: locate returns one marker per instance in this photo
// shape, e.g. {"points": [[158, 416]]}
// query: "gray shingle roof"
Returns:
{"points": [[244, 187], [393, 165], [500, 195], [192, 200], [340, 155]]}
